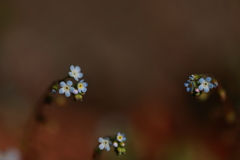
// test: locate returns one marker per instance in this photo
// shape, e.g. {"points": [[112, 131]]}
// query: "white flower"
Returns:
{"points": [[205, 84], [105, 143], [66, 88], [121, 137], [82, 86], [75, 72]]}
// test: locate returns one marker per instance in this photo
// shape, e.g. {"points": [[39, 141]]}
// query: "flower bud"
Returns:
{"points": [[197, 90], [123, 150], [197, 94], [54, 88], [77, 97], [119, 149], [115, 144], [75, 91], [54, 91], [122, 144]]}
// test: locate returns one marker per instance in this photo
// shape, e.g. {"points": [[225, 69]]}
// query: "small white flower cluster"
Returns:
{"points": [[116, 142], [196, 84], [78, 89]]}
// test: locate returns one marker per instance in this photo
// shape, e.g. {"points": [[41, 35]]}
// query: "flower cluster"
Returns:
{"points": [[117, 142], [78, 89], [198, 83]]}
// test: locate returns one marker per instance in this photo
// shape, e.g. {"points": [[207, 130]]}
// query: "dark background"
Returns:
{"points": [[135, 55]]}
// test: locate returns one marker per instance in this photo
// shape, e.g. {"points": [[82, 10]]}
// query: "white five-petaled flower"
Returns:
{"points": [[66, 88], [82, 86], [121, 137], [205, 84], [75, 72], [105, 143]]}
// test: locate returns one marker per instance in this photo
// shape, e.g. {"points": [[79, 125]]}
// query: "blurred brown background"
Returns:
{"points": [[135, 55]]}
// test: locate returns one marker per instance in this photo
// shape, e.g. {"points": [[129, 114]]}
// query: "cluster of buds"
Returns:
{"points": [[117, 142], [199, 83], [78, 89]]}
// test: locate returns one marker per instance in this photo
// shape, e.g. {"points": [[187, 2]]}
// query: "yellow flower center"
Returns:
{"points": [[80, 85], [119, 137], [105, 142], [205, 84], [66, 88]]}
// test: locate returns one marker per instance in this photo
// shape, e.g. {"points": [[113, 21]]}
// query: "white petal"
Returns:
{"points": [[201, 80], [85, 84], [79, 75], [71, 67], [100, 140], [70, 74], [206, 89], [200, 87], [75, 77], [210, 85], [77, 68], [208, 79], [107, 147], [62, 84], [72, 89], [67, 94], [101, 146], [69, 83], [61, 90], [84, 89]]}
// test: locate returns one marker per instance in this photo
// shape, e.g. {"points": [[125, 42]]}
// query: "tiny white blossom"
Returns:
{"points": [[205, 84], [66, 88], [75, 72], [82, 86], [105, 143], [121, 137]]}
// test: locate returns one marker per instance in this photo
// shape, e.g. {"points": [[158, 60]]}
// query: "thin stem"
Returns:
{"points": [[36, 119], [96, 154]]}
